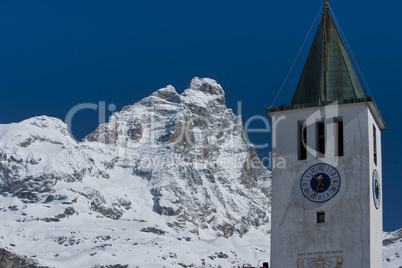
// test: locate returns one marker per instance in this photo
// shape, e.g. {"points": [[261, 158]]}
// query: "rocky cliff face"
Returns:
{"points": [[192, 150], [168, 180], [10, 260]]}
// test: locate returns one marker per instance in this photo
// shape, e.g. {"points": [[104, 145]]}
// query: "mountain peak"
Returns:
{"points": [[167, 93], [202, 91], [46, 122], [206, 85]]}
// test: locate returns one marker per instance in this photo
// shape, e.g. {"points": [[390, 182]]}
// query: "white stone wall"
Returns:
{"points": [[349, 214], [376, 216]]}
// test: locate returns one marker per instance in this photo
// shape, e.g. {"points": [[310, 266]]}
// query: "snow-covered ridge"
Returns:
{"points": [[392, 249], [169, 180]]}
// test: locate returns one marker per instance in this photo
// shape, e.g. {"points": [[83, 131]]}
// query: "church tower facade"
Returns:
{"points": [[327, 198]]}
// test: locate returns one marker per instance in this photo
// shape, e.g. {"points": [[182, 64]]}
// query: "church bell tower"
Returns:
{"points": [[327, 198]]}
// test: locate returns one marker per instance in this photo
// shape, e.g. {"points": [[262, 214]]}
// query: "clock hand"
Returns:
{"points": [[319, 181], [318, 186]]}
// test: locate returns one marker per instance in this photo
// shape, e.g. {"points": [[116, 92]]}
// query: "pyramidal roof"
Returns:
{"points": [[328, 74]]}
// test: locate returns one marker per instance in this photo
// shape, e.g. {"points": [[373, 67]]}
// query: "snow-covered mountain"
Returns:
{"points": [[392, 249], [168, 181]]}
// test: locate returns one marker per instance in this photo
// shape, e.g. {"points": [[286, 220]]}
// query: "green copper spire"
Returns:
{"points": [[328, 74]]}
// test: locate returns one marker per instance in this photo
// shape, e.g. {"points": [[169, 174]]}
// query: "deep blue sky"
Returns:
{"points": [[57, 54]]}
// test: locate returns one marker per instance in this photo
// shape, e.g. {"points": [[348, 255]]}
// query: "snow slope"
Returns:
{"points": [[392, 249], [168, 181]]}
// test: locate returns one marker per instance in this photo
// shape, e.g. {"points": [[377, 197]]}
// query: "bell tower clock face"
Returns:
{"points": [[320, 182], [376, 189]]}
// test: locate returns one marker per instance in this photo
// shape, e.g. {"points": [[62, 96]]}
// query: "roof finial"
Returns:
{"points": [[326, 4]]}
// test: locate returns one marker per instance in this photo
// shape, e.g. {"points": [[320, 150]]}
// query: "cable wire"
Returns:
{"points": [[343, 37], [297, 56]]}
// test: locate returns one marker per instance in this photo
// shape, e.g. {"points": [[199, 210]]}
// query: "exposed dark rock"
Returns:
{"points": [[153, 230], [51, 197], [110, 266], [50, 219], [398, 237], [11, 260], [135, 131], [110, 212], [13, 208], [169, 94], [67, 212]]}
